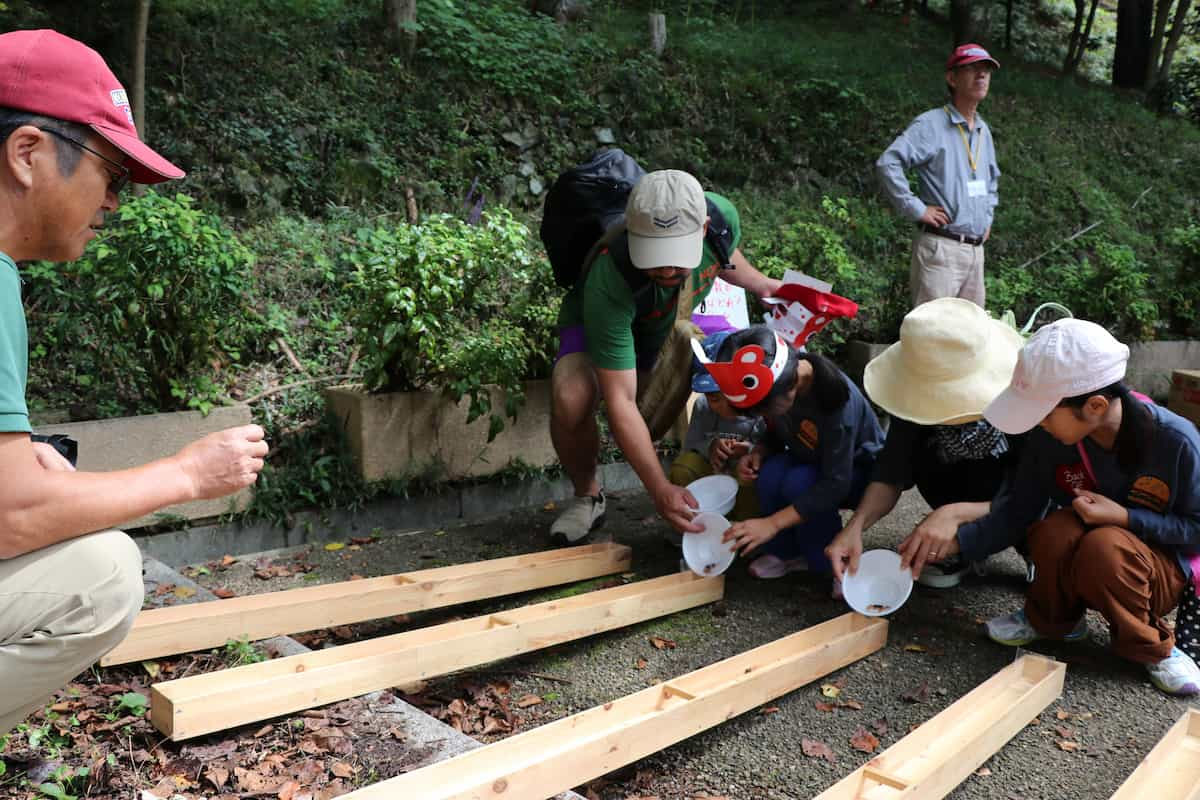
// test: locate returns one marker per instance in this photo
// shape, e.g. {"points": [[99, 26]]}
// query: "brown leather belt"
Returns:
{"points": [[974, 241]]}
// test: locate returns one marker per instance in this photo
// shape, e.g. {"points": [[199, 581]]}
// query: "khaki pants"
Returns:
{"points": [[942, 267], [61, 608], [1131, 583]]}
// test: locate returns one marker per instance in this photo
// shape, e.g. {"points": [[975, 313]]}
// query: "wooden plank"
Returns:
{"points": [[1171, 771], [544, 761], [929, 762], [202, 704], [182, 629]]}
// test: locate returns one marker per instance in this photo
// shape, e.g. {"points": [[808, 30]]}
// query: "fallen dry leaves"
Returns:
{"points": [[660, 643], [864, 741], [814, 748]]}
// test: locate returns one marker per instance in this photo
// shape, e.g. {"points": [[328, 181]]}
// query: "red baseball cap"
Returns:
{"points": [[44, 72], [968, 54]]}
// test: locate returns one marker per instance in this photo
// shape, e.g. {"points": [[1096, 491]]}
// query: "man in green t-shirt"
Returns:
{"points": [[613, 323], [70, 588]]}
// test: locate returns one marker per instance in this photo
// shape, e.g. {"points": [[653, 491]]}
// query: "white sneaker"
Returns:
{"points": [[1176, 674], [583, 515], [1015, 630]]}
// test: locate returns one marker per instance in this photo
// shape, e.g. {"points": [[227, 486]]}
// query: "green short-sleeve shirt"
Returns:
{"points": [[618, 322], [14, 351]]}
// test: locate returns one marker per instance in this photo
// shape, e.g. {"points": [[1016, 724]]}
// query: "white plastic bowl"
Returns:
{"points": [[705, 553], [715, 493], [880, 586]]}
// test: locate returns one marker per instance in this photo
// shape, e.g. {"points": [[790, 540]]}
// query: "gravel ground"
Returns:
{"points": [[1115, 716]]}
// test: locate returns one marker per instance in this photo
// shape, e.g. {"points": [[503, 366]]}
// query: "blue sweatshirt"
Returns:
{"points": [[840, 442], [1162, 493]]}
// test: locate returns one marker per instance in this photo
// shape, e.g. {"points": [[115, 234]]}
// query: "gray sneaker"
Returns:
{"points": [[944, 574], [583, 515]]}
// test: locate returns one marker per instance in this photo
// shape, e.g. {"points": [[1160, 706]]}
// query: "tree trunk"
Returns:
{"points": [[138, 101], [1162, 11], [962, 24], [401, 19], [1073, 43], [1177, 29], [1080, 43], [1132, 52], [658, 33]]}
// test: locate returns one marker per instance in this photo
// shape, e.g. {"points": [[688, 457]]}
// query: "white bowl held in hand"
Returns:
{"points": [[880, 586], [715, 493], [704, 552]]}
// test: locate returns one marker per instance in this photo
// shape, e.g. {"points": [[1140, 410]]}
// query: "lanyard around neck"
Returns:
{"points": [[972, 158]]}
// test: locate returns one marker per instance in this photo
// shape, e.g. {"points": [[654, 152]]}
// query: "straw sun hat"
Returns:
{"points": [[951, 361]]}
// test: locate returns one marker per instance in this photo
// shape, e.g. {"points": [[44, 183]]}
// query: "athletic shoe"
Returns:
{"points": [[1176, 674], [944, 574], [1015, 630], [583, 515], [770, 566]]}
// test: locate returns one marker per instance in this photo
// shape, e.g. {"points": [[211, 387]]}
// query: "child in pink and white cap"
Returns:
{"points": [[1123, 475]]}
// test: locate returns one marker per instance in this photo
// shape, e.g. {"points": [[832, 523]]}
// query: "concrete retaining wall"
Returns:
{"points": [[107, 445], [408, 433]]}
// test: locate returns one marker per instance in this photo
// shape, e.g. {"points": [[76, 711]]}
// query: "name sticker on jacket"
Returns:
{"points": [[808, 434], [1073, 477]]}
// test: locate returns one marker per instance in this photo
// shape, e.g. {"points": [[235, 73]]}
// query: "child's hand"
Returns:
{"points": [[720, 451], [750, 534], [1096, 510], [747, 468]]}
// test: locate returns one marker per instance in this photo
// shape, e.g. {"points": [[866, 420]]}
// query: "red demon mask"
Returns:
{"points": [[746, 380]]}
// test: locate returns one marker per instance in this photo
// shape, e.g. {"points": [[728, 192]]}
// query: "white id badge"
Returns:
{"points": [[976, 188]]}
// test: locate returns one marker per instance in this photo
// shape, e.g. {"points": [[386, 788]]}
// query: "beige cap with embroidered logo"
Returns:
{"points": [[665, 217]]}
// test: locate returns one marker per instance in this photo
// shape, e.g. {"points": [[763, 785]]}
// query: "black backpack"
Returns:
{"points": [[585, 209]]}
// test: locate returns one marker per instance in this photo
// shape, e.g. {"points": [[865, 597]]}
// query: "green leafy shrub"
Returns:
{"points": [[444, 305], [827, 244], [142, 318], [1098, 280]]}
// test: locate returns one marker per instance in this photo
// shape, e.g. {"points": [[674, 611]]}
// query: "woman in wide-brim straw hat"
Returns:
{"points": [[951, 361], [1125, 477]]}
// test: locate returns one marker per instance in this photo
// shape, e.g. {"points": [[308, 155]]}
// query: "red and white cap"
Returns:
{"points": [[1067, 358], [968, 54], [46, 73], [748, 378]]}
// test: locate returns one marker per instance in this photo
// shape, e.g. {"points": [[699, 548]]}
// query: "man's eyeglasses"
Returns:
{"points": [[117, 182]]}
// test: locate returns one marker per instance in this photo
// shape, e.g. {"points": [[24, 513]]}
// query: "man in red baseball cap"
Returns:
{"points": [[70, 586], [951, 150]]}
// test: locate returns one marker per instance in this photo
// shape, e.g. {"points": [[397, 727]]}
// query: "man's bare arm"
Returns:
{"points": [[40, 507]]}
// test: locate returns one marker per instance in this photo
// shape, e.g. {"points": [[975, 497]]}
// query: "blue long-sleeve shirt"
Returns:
{"points": [[933, 146], [839, 442], [1162, 493]]}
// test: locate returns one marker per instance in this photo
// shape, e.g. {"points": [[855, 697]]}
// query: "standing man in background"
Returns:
{"points": [[951, 150]]}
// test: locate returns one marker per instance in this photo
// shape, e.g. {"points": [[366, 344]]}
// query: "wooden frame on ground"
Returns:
{"points": [[929, 762], [197, 626], [544, 761], [202, 704], [1171, 771]]}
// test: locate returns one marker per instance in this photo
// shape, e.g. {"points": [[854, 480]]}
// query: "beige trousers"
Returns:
{"points": [[61, 608], [942, 267]]}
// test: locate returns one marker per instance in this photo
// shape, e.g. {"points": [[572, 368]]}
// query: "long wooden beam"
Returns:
{"points": [[182, 629], [202, 704], [1171, 771], [929, 762], [544, 761]]}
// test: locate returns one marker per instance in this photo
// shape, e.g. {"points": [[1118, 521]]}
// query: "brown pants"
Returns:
{"points": [[1131, 583]]}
